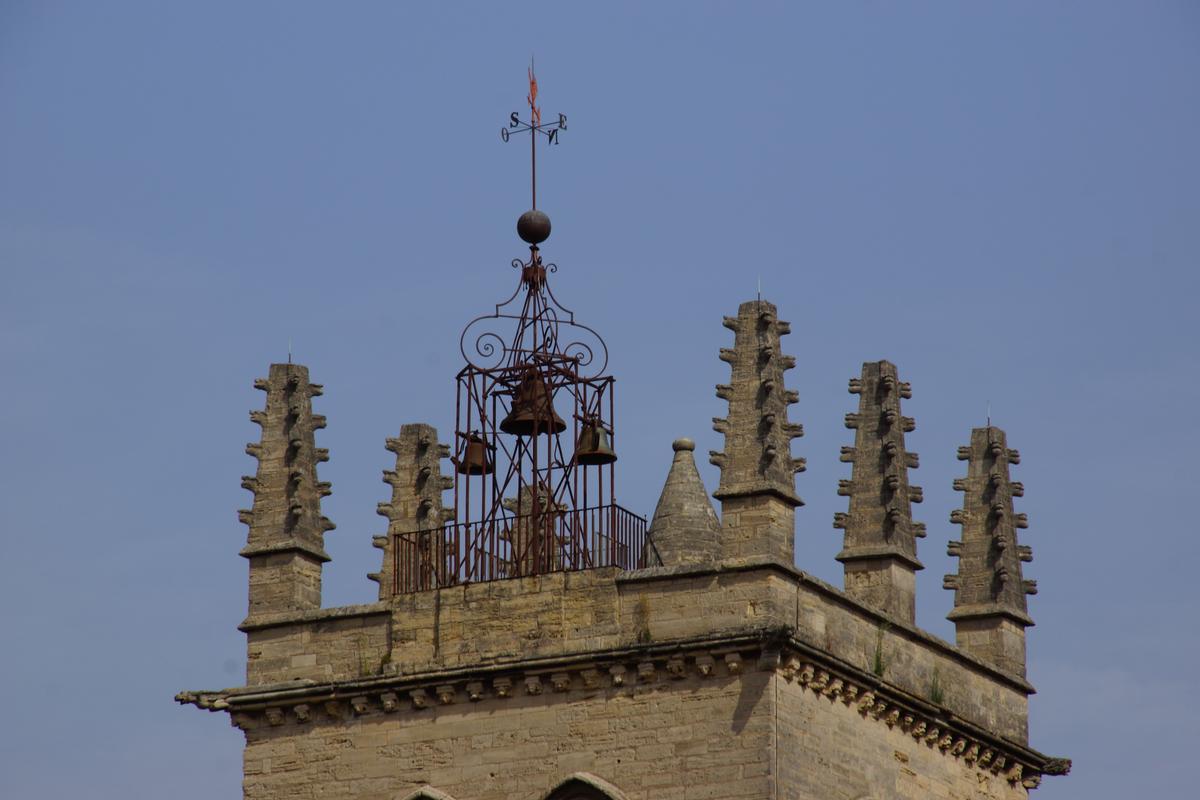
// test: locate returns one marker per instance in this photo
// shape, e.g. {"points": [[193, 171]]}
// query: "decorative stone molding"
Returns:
{"points": [[617, 672], [872, 703], [869, 696]]}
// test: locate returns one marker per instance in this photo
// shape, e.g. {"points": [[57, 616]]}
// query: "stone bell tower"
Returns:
{"points": [[531, 638]]}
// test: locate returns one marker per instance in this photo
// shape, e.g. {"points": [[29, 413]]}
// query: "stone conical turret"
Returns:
{"points": [[415, 510], [685, 529], [757, 489], [880, 550], [990, 614], [285, 545]]}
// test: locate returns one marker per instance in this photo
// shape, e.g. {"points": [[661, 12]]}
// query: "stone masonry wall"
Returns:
{"points": [[584, 612], [327, 645], [666, 740], [826, 750]]}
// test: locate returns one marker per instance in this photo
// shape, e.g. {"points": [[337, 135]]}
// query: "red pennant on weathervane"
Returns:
{"points": [[535, 113]]}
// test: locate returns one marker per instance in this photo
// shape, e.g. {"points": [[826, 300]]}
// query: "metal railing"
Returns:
{"points": [[516, 546]]}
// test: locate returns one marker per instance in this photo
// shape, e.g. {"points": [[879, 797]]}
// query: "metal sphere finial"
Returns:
{"points": [[534, 226]]}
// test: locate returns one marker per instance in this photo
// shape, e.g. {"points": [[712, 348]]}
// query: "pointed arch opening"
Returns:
{"points": [[585, 786], [426, 793]]}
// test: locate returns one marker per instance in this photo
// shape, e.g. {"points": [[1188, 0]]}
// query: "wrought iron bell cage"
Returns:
{"points": [[534, 451]]}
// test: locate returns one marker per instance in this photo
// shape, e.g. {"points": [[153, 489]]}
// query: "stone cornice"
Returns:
{"points": [[264, 621], [777, 650]]}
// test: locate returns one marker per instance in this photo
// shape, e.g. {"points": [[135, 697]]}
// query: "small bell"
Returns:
{"points": [[532, 410], [476, 459], [594, 448]]}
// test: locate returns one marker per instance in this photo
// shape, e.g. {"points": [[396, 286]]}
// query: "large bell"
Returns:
{"points": [[594, 447], [532, 410], [476, 460]]}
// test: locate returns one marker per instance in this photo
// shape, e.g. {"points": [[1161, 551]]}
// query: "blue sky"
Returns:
{"points": [[1000, 198]]}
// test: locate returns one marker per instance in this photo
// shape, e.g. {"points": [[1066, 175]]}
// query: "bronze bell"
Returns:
{"points": [[532, 410], [476, 459], [594, 448]]}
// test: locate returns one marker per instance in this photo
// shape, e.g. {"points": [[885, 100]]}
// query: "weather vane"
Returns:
{"points": [[534, 126]]}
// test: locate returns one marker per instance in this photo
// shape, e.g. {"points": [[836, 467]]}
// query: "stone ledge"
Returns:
{"points": [[652, 667], [264, 621]]}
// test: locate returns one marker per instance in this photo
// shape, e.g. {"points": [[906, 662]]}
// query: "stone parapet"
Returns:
{"points": [[576, 613]]}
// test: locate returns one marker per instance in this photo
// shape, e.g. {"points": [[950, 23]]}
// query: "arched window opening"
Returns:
{"points": [[427, 793], [583, 786]]}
